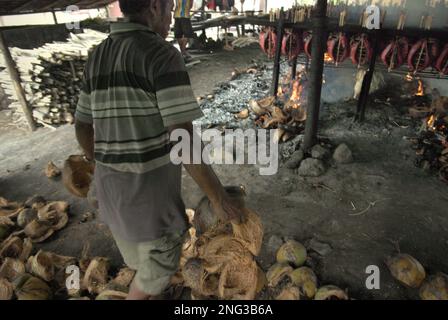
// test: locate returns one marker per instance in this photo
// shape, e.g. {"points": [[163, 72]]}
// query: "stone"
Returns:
{"points": [[321, 248], [343, 154], [295, 160], [311, 168], [319, 152]]}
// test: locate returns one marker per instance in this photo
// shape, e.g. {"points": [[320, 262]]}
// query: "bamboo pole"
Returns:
{"points": [[15, 79]]}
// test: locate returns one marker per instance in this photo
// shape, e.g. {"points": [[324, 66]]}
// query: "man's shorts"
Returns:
{"points": [[183, 28], [156, 262]]}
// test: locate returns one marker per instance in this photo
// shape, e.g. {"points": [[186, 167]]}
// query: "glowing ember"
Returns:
{"points": [[409, 77], [421, 89], [296, 90], [327, 58], [431, 122]]}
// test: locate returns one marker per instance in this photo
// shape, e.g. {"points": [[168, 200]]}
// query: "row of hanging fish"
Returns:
{"points": [[417, 54]]}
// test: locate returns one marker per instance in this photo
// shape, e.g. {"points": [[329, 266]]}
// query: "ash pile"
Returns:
{"points": [[51, 76]]}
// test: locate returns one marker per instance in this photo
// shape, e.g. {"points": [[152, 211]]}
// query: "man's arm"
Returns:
{"points": [[85, 137], [209, 183]]}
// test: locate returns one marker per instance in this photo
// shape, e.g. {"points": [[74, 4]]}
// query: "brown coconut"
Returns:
{"points": [[25, 216], [277, 273], [250, 233], [407, 270], [27, 287], [42, 266], [9, 209], [6, 226], [238, 281], [77, 175], [54, 214], [96, 275], [16, 247], [124, 277], [6, 290], [11, 269], [194, 274], [35, 202], [262, 281], [293, 253], [38, 231], [112, 295], [435, 288], [330, 293]]}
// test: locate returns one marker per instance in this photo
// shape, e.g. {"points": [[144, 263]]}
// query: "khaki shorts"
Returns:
{"points": [[155, 262]]}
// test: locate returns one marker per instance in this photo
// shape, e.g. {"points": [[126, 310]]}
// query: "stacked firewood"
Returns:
{"points": [[51, 76]]}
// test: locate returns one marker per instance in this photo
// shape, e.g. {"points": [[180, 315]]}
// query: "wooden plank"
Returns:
{"points": [[278, 54], [15, 78]]}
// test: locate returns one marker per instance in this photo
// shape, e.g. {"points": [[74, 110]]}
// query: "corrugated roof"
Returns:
{"points": [[8, 7]]}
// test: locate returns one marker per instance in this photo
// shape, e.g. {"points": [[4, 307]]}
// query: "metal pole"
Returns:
{"points": [[15, 79], [54, 16], [294, 69], [317, 68], [367, 81], [278, 54]]}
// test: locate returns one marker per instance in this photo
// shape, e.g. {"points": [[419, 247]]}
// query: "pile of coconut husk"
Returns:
{"points": [[410, 273], [218, 260]]}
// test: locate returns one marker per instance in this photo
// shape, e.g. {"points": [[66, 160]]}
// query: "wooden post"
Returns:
{"points": [[294, 69], [278, 54], [15, 78], [367, 81], [316, 74]]}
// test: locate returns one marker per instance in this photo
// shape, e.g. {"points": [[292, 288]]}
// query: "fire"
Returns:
{"points": [[421, 89], [431, 122], [296, 90], [409, 77], [327, 58]]}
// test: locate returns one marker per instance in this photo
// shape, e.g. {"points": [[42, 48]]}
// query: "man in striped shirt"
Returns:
{"points": [[136, 92]]}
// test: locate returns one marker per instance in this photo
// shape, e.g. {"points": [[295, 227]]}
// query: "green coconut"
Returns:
{"points": [[407, 270], [277, 273], [330, 293], [292, 253], [306, 280], [435, 288]]}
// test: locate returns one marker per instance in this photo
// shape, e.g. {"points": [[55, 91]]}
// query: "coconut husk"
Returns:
{"points": [[27, 287], [6, 290], [25, 216], [293, 253], [9, 209], [11, 269], [435, 288], [221, 250], [305, 279], [407, 270], [194, 274], [250, 233], [262, 281], [6, 225], [61, 262], [51, 171], [35, 202], [330, 293], [124, 277], [16, 247], [289, 293], [38, 231], [77, 175], [277, 273], [54, 214], [96, 276], [238, 281], [112, 295], [41, 265]]}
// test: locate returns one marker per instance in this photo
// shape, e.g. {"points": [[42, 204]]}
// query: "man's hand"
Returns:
{"points": [[228, 210]]}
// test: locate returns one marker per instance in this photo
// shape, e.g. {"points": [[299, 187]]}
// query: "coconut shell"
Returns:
{"points": [[38, 231], [11, 269], [96, 276], [77, 175], [305, 279], [51, 171], [250, 233], [15, 247], [330, 293], [41, 265], [112, 295], [238, 282], [6, 290], [290, 293], [293, 253], [54, 214], [35, 202], [124, 277], [27, 287], [9, 209], [407, 270], [25, 216], [435, 288], [277, 273]]}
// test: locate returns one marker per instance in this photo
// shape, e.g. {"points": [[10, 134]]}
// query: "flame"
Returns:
{"points": [[327, 58], [296, 90], [409, 77], [421, 89], [431, 122], [280, 91]]}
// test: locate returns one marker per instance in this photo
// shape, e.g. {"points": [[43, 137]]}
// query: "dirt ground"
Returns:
{"points": [[407, 205]]}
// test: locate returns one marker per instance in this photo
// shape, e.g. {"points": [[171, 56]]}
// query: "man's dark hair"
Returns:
{"points": [[135, 7]]}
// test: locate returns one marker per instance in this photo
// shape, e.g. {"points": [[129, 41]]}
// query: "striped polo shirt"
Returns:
{"points": [[135, 87], [183, 8]]}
